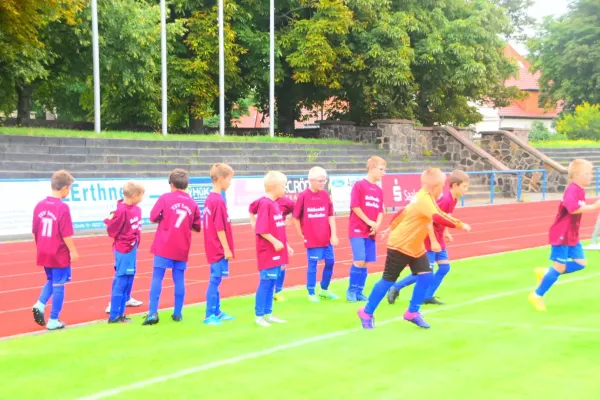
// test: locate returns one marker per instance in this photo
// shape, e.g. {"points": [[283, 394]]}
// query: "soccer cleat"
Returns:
{"points": [[177, 318], [278, 297], [433, 300], [114, 321], [125, 319], [151, 319], [225, 317], [537, 301], [367, 320], [212, 320], [351, 296], [274, 320], [261, 321], [327, 295], [55, 324], [392, 295], [361, 297], [539, 274], [133, 302], [313, 298], [416, 319], [38, 315]]}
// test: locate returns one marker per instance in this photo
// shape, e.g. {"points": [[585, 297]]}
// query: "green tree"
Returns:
{"points": [[566, 50], [583, 123]]}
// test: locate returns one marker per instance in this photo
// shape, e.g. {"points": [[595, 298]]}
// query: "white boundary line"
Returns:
{"points": [[511, 325], [298, 343]]}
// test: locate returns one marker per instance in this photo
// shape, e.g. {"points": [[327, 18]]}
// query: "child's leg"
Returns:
{"points": [[40, 305], [329, 257], [60, 276], [404, 282], [370, 257], [313, 256], [560, 255], [158, 275], [442, 270], [358, 265], [178, 275], [280, 280], [394, 264], [421, 268], [118, 298], [212, 292], [269, 299]]}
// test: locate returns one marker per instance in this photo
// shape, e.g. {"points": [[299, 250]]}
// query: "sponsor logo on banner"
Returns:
{"points": [[340, 188], [399, 190], [199, 188]]}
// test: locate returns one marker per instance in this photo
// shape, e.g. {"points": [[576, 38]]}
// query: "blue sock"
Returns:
{"points": [[155, 288], [280, 279], [355, 274], [179, 282], [406, 281], [129, 288], [311, 277], [423, 283], [572, 266], [212, 296], [117, 304], [377, 294], [327, 274], [262, 293], [438, 277], [46, 293], [362, 280], [269, 300], [58, 297], [547, 282]]}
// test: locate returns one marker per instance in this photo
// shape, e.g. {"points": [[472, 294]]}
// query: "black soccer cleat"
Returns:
{"points": [[38, 316], [151, 320], [392, 295], [124, 319], [433, 300], [177, 318]]}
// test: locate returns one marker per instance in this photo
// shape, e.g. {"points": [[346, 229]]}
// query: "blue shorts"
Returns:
{"points": [[320, 253], [58, 276], [162, 262], [270, 273], [561, 254], [434, 257], [125, 263], [219, 269], [363, 249]]}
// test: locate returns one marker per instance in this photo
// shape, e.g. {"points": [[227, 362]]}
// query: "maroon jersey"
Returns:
{"points": [[446, 203], [369, 198], [51, 224], [313, 211], [270, 219], [565, 229], [177, 215], [216, 219], [124, 225]]}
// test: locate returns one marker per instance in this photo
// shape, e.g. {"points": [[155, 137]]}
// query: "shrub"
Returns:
{"points": [[584, 123], [539, 132]]}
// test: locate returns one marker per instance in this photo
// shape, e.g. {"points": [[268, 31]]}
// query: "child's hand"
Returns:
{"points": [[435, 246], [290, 251], [334, 240], [278, 245], [466, 227], [228, 254], [448, 237], [253, 225], [385, 234], [74, 256], [372, 224]]}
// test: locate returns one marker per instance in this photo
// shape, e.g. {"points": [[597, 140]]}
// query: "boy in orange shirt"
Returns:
{"points": [[406, 246]]}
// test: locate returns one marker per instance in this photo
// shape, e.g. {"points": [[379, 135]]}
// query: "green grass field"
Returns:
{"points": [[563, 144], [157, 136], [486, 343]]}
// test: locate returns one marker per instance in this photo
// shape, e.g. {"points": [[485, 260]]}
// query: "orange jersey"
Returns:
{"points": [[410, 228]]}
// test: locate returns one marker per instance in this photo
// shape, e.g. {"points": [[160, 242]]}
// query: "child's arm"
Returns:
{"points": [[447, 235], [276, 243], [435, 245], [253, 221], [297, 213], [430, 209], [334, 237], [298, 227], [360, 214], [225, 244], [197, 223], [71, 246], [587, 208], [156, 212], [355, 195], [114, 223]]}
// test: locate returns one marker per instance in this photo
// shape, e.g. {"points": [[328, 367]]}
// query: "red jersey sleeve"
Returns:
{"points": [[197, 222], [156, 214], [263, 218], [114, 223], [65, 223]]}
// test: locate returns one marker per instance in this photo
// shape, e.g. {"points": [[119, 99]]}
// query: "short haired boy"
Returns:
{"points": [[177, 215], [366, 214], [566, 253], [406, 247], [124, 225], [272, 249], [218, 241], [435, 243], [52, 229], [286, 205], [315, 222]]}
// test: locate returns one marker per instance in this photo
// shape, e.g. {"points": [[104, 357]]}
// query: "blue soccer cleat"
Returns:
{"points": [[351, 296], [367, 320], [212, 320], [151, 320], [416, 318], [225, 317]]}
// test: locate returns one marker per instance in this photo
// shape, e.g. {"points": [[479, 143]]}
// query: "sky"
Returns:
{"points": [[539, 10]]}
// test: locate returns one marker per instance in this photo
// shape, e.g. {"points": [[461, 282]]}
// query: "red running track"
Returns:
{"points": [[497, 228]]}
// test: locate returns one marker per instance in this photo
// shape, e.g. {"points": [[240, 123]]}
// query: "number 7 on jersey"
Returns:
{"points": [[181, 214]]}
